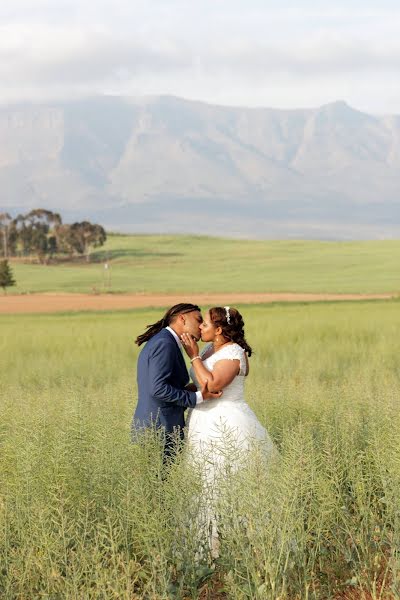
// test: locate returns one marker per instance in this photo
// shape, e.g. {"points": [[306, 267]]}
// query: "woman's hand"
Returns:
{"points": [[190, 345]]}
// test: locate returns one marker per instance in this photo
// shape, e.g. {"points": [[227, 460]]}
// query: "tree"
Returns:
{"points": [[34, 231], [64, 239], [43, 233], [5, 221], [12, 239], [6, 276], [86, 235]]}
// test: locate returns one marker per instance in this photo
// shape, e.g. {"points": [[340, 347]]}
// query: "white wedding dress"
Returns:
{"points": [[221, 434], [228, 420]]}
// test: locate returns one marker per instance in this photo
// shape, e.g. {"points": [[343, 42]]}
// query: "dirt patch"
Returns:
{"points": [[52, 303]]}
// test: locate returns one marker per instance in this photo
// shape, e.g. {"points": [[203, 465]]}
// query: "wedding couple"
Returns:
{"points": [[215, 398]]}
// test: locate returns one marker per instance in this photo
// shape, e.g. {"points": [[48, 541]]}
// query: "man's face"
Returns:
{"points": [[192, 322]]}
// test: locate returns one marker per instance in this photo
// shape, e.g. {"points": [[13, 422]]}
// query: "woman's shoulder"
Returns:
{"points": [[231, 352]]}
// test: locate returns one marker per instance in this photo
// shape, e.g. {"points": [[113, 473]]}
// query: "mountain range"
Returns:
{"points": [[165, 164]]}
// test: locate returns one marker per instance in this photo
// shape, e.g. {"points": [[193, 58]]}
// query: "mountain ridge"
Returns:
{"points": [[161, 164]]}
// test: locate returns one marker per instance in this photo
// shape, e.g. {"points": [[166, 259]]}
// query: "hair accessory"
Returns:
{"points": [[227, 313]]}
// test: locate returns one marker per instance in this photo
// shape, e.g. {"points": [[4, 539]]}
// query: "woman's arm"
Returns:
{"points": [[224, 370]]}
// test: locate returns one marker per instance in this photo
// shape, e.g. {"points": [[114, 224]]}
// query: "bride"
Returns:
{"points": [[221, 432], [223, 365]]}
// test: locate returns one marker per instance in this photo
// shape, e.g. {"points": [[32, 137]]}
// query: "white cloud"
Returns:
{"points": [[218, 51], [43, 54]]}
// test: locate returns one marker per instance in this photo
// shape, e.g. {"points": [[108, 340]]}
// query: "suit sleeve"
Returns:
{"points": [[160, 371]]}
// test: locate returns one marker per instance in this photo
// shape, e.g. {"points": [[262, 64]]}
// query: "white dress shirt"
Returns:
{"points": [[199, 395]]}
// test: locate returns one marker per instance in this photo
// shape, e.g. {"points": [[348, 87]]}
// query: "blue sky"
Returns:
{"points": [[252, 53]]}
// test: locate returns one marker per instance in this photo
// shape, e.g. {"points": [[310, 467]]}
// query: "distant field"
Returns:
{"points": [[186, 264], [85, 514]]}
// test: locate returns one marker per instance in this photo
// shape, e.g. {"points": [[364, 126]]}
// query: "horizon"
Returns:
{"points": [[61, 101]]}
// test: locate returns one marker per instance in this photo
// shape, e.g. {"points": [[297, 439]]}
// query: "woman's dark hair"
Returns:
{"points": [[231, 322], [170, 315]]}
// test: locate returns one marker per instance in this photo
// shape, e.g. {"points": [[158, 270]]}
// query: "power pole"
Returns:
{"points": [[107, 274]]}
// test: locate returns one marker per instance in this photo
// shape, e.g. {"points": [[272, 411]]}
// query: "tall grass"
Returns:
{"points": [[86, 514]]}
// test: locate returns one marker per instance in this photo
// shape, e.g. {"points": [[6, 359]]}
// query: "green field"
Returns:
{"points": [[86, 514], [146, 264]]}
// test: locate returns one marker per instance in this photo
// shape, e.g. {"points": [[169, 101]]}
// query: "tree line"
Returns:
{"points": [[42, 233]]}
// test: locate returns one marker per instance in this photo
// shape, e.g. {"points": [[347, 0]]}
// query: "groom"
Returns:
{"points": [[162, 377]]}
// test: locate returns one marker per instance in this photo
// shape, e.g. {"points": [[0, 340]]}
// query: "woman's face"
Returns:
{"points": [[207, 329]]}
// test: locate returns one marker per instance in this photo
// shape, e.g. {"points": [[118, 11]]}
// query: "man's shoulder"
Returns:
{"points": [[162, 338], [163, 335]]}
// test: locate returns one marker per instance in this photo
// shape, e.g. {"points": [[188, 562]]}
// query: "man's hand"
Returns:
{"points": [[207, 395], [190, 387]]}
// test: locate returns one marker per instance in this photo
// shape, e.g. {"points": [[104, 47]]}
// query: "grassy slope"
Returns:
{"points": [[180, 263]]}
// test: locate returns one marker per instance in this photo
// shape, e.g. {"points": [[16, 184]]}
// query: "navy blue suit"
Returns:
{"points": [[161, 378]]}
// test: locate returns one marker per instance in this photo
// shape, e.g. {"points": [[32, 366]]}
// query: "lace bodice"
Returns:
{"points": [[234, 392]]}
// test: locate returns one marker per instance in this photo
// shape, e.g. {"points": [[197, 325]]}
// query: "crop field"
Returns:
{"points": [[86, 514], [170, 264]]}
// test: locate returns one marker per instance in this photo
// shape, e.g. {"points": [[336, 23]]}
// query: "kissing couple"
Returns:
{"points": [[215, 396], [221, 427]]}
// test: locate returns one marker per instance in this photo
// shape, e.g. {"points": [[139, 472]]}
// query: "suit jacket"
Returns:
{"points": [[161, 378]]}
